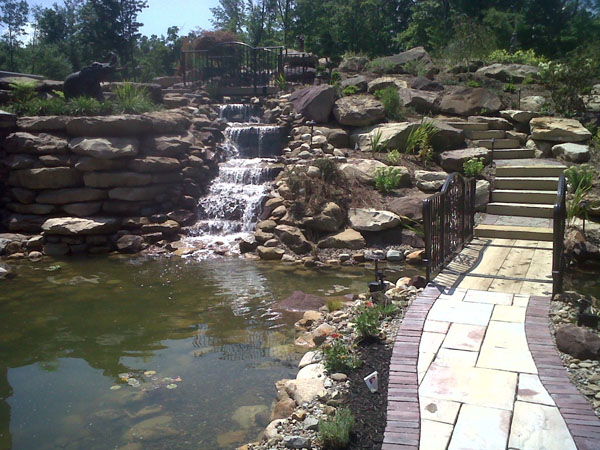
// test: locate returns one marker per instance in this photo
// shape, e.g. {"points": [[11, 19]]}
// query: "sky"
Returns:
{"points": [[161, 14]]}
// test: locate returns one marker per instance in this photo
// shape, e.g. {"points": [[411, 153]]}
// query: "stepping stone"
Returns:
{"points": [[538, 426], [464, 337], [480, 428], [435, 435], [532, 390]]}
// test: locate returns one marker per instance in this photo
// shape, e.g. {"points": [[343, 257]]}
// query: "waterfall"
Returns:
{"points": [[230, 209], [239, 112]]}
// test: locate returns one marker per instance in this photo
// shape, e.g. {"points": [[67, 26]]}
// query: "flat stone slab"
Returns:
{"points": [[496, 298], [538, 426], [461, 312], [504, 313], [439, 410], [435, 435], [532, 390], [464, 337], [480, 428]]}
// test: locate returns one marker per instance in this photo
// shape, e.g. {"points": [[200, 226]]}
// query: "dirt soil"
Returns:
{"points": [[370, 410]]}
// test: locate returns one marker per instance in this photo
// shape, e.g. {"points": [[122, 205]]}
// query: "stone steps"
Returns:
{"points": [[514, 153], [514, 232], [485, 134], [498, 143], [524, 196], [529, 171], [470, 126], [533, 183], [521, 209]]}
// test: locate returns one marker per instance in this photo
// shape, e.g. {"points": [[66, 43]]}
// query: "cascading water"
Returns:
{"points": [[231, 208]]}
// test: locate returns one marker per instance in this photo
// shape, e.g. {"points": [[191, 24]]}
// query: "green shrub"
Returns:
{"points": [[328, 168], [419, 141], [388, 310], [131, 99], [333, 304], [393, 157], [416, 67], [509, 87], [473, 167], [391, 101], [387, 179], [376, 141], [281, 82], [339, 358], [334, 432], [380, 65], [580, 177], [474, 84], [87, 106], [519, 57], [366, 322], [350, 90], [575, 206], [336, 77]]}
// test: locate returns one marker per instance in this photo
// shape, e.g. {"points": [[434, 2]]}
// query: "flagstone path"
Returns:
{"points": [[474, 365]]}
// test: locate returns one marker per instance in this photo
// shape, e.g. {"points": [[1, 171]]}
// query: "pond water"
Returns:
{"points": [[100, 353]]}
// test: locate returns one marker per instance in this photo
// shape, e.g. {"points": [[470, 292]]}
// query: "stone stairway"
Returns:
{"points": [[524, 189]]}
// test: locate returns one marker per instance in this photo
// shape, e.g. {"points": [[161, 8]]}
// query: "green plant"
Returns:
{"points": [[416, 67], [87, 106], [474, 84], [338, 357], [575, 204], [393, 157], [328, 168], [333, 304], [366, 322], [392, 103], [131, 99], [519, 57], [387, 179], [380, 65], [473, 167], [388, 310], [580, 177], [281, 82], [419, 141], [350, 90], [336, 77], [509, 87], [213, 90], [335, 431], [596, 139], [376, 141], [528, 80]]}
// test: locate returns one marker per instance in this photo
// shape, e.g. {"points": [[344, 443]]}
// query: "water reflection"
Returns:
{"points": [[69, 333]]}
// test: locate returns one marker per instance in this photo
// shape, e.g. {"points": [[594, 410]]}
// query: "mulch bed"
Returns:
{"points": [[369, 409]]}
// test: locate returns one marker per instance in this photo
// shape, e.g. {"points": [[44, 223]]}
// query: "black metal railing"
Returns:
{"points": [[233, 64], [449, 219], [558, 246]]}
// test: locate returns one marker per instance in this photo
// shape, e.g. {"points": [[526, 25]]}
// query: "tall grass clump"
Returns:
{"points": [[131, 99], [335, 431], [391, 101]]}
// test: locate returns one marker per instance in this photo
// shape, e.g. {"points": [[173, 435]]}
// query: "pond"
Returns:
{"points": [[119, 352]]}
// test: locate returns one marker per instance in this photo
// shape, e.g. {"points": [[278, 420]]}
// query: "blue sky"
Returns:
{"points": [[161, 14]]}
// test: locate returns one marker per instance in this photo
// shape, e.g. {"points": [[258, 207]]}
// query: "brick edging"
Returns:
{"points": [[403, 425], [581, 420]]}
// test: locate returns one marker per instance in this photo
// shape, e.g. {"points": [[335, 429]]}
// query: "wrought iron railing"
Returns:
{"points": [[233, 64], [449, 219], [558, 247]]}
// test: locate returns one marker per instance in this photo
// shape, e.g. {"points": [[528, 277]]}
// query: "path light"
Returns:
{"points": [[311, 124], [372, 382], [519, 92]]}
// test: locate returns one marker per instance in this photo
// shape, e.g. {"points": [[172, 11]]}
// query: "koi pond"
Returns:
{"points": [[105, 352]]}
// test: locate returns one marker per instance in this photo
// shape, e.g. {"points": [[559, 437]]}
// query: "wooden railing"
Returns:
{"points": [[558, 247], [449, 219]]}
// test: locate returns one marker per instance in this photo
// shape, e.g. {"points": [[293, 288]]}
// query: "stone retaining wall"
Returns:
{"points": [[95, 184]]}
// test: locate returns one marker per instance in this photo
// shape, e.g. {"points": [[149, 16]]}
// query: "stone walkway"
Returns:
{"points": [[474, 365]]}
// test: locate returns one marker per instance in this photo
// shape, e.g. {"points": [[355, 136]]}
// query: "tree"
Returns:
{"points": [[14, 15], [229, 16], [129, 25]]}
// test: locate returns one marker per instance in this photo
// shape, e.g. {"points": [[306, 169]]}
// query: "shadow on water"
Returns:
{"points": [[194, 348]]}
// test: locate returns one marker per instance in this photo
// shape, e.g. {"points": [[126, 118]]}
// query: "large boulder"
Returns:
{"points": [[73, 226], [467, 101], [393, 135], [358, 110], [305, 390], [425, 84], [577, 153], [353, 64], [293, 238], [365, 170], [45, 178], [169, 146], [385, 82], [558, 129], [116, 179], [270, 253], [349, 239], [453, 160], [329, 219], [136, 194], [123, 125], [533, 103], [35, 144], [494, 123], [166, 82], [446, 136], [422, 101], [518, 116], [406, 62], [482, 194], [367, 219], [430, 181], [167, 122], [152, 164], [513, 73], [70, 195], [314, 103], [105, 148], [578, 342], [360, 82]]}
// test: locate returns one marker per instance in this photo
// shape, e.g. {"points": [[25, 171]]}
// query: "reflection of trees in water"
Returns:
{"points": [[5, 393], [256, 345]]}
